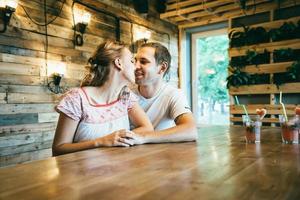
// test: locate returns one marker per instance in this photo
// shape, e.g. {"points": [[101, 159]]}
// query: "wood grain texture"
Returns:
{"points": [[28, 138], [191, 13], [25, 156], [26, 128], [269, 69], [15, 119], [3, 98], [265, 89], [26, 104], [219, 166], [25, 148], [269, 25], [270, 47], [271, 109]]}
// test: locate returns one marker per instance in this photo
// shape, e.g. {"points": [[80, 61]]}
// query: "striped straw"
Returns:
{"points": [[283, 107], [238, 103]]}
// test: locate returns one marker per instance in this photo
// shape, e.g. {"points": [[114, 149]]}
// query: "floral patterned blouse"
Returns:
{"points": [[96, 120]]}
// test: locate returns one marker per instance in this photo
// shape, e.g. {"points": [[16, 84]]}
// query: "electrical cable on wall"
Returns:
{"points": [[46, 43], [45, 24], [73, 18], [127, 19]]}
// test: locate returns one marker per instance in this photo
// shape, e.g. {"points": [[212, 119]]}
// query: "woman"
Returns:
{"points": [[96, 114]]}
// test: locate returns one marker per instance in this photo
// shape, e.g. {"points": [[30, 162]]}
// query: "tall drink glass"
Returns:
{"points": [[252, 124], [290, 129]]}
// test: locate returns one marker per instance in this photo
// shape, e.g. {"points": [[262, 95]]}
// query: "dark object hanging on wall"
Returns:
{"points": [[6, 14], [80, 27], [161, 6], [242, 4], [54, 85], [141, 6]]}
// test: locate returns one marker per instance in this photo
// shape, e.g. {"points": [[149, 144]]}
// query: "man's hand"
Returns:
{"points": [[123, 138], [137, 138]]}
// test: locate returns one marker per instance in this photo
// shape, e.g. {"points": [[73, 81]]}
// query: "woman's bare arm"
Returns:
{"points": [[65, 131]]}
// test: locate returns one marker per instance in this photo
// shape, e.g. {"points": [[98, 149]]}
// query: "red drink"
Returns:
{"points": [[289, 134], [250, 134], [252, 124]]}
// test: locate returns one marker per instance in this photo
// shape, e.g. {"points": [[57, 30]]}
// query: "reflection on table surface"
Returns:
{"points": [[220, 165]]}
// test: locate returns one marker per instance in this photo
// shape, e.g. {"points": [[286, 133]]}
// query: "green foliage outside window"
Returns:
{"points": [[212, 66]]}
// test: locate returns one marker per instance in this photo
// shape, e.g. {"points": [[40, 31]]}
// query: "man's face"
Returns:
{"points": [[146, 68]]}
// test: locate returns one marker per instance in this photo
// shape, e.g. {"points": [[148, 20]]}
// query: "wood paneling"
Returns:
{"points": [[25, 156], [2, 98], [21, 79], [265, 89], [270, 47], [26, 128], [271, 69], [25, 148], [18, 119], [15, 140], [271, 109], [268, 68], [191, 13], [27, 116]]}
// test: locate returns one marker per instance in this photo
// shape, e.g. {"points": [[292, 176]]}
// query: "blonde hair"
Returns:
{"points": [[99, 64]]}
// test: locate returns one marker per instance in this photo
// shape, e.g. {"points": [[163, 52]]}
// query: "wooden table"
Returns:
{"points": [[219, 166]]}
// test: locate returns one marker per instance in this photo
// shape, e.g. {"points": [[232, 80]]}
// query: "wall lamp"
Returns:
{"points": [[7, 8], [56, 71], [82, 18]]}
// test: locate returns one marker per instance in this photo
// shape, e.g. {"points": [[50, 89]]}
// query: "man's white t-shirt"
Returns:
{"points": [[163, 108]]}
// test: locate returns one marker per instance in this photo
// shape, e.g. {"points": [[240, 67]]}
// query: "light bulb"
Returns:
{"points": [[12, 3]]}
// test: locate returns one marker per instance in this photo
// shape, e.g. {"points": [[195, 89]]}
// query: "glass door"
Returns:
{"points": [[210, 97]]}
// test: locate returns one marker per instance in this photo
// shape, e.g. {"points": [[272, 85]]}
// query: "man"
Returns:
{"points": [[165, 105]]}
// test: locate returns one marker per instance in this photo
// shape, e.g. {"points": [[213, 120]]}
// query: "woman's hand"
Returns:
{"points": [[123, 138]]}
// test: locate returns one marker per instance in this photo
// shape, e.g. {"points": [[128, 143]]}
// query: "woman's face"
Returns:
{"points": [[128, 65]]}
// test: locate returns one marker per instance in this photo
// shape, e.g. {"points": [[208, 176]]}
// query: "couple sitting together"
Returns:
{"points": [[104, 112]]}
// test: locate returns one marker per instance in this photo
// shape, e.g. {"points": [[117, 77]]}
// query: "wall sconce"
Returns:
{"points": [[82, 19], [7, 8], [56, 70], [141, 37]]}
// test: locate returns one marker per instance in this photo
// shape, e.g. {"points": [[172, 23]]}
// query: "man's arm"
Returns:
{"points": [[140, 120], [185, 130]]}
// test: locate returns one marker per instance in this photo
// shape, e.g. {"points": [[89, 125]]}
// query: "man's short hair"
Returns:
{"points": [[161, 54]]}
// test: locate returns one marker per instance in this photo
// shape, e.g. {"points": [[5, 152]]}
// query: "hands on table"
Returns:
{"points": [[123, 138]]}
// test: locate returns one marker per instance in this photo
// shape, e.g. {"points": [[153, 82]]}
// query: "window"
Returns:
{"points": [[209, 71]]}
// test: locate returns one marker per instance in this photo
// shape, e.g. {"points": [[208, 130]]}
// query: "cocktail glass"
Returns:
{"points": [[252, 123], [290, 129]]}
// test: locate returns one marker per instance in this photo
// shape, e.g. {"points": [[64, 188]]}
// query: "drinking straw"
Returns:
{"points": [[283, 108], [238, 103]]}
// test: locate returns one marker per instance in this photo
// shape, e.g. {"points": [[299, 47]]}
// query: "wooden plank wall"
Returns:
{"points": [[27, 117], [266, 95]]}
